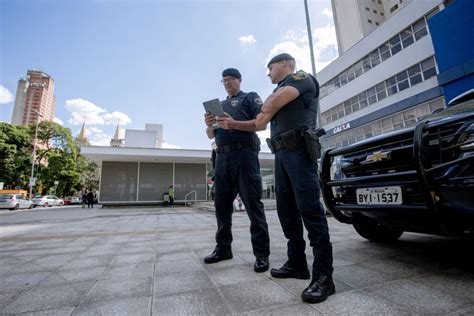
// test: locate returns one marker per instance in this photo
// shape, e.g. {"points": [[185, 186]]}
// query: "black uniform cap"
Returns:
{"points": [[280, 57], [231, 72]]}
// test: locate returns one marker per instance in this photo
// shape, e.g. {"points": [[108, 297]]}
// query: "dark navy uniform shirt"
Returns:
{"points": [[242, 107], [301, 112]]}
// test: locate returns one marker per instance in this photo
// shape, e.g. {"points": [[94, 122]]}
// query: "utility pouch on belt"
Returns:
{"points": [[290, 139], [270, 145], [313, 146]]}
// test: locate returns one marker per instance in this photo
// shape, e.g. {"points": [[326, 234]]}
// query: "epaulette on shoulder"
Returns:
{"points": [[299, 75]]}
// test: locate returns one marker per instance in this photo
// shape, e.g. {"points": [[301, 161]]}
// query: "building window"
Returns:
{"points": [[375, 58], [370, 21], [395, 45], [407, 37], [402, 40], [367, 9], [385, 51], [391, 84], [381, 92], [376, 23], [392, 9], [428, 68], [419, 28], [414, 74], [402, 80]]}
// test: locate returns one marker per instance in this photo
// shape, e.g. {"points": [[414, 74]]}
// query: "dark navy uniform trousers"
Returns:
{"points": [[239, 171], [297, 191]]}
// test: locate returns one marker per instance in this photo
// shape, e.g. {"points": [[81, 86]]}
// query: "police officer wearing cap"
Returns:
{"points": [[237, 170], [292, 109]]}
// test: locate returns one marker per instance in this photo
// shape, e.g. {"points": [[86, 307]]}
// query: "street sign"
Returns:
{"points": [[56, 182], [32, 182], [1, 185]]}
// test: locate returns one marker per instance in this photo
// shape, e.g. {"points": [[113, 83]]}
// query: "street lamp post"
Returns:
{"points": [[313, 64], [32, 181]]}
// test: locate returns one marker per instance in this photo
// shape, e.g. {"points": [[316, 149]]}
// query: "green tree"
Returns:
{"points": [[56, 158], [15, 155]]}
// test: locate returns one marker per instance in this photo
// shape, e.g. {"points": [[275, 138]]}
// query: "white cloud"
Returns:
{"points": [[99, 139], [170, 146], [327, 13], [82, 110], [94, 130], [295, 42], [247, 39], [5, 95], [58, 120]]}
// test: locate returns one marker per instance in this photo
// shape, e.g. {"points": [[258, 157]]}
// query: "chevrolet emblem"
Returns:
{"points": [[377, 156]]}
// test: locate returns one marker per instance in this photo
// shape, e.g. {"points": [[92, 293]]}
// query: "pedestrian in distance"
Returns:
{"points": [[292, 110], [171, 195], [84, 197], [90, 199], [237, 170]]}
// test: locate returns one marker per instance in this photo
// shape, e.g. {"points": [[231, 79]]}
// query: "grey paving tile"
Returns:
{"points": [[418, 298], [464, 312], [130, 271], [54, 261], [185, 265], [123, 306], [358, 303], [284, 310], [7, 298], [174, 256], [181, 282], [21, 281], [359, 277], [108, 289], [50, 312], [454, 282], [49, 297], [78, 275], [248, 296], [202, 302], [88, 262], [127, 259], [223, 275]]}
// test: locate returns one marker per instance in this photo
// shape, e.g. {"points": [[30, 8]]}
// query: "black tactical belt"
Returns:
{"points": [[231, 147]]}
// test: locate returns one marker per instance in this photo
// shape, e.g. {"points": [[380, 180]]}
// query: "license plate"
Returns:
{"points": [[381, 195]]}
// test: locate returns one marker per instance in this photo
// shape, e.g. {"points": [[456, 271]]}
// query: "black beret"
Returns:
{"points": [[231, 72], [280, 57]]}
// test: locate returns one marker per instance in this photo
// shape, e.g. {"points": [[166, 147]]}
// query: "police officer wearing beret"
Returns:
{"points": [[292, 109], [237, 170]]}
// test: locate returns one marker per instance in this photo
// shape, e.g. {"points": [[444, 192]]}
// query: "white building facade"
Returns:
{"points": [[385, 81]]}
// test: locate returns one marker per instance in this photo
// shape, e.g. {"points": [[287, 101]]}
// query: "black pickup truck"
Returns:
{"points": [[419, 179]]}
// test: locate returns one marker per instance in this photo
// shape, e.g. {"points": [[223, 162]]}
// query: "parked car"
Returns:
{"points": [[47, 200], [72, 200], [14, 202], [418, 179]]}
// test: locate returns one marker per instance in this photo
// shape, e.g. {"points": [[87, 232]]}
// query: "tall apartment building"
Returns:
{"points": [[34, 96], [355, 19], [386, 81]]}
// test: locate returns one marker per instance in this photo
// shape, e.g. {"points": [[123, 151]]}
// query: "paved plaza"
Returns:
{"points": [[149, 261]]}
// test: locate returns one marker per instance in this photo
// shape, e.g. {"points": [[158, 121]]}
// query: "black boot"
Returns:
{"points": [[217, 256], [286, 271], [261, 264], [319, 289]]}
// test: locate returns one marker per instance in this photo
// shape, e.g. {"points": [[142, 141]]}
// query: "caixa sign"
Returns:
{"points": [[341, 128]]}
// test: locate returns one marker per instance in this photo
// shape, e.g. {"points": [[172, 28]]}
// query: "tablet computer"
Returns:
{"points": [[214, 107]]}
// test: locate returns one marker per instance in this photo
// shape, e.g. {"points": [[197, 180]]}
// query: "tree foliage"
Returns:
{"points": [[15, 154], [57, 159]]}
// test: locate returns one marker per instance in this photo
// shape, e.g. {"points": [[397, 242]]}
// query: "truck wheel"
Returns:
{"points": [[376, 232]]}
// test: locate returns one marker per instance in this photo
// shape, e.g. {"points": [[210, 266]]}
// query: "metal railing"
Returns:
{"points": [[186, 197]]}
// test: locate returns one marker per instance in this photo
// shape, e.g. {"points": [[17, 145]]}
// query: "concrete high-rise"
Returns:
{"points": [[354, 19], [34, 96]]}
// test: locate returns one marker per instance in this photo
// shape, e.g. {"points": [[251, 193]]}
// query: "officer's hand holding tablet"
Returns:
{"points": [[213, 112]]}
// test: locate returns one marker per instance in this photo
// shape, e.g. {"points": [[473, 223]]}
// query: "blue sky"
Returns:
{"points": [[152, 61]]}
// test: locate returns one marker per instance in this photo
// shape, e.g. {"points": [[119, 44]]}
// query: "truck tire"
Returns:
{"points": [[376, 232]]}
